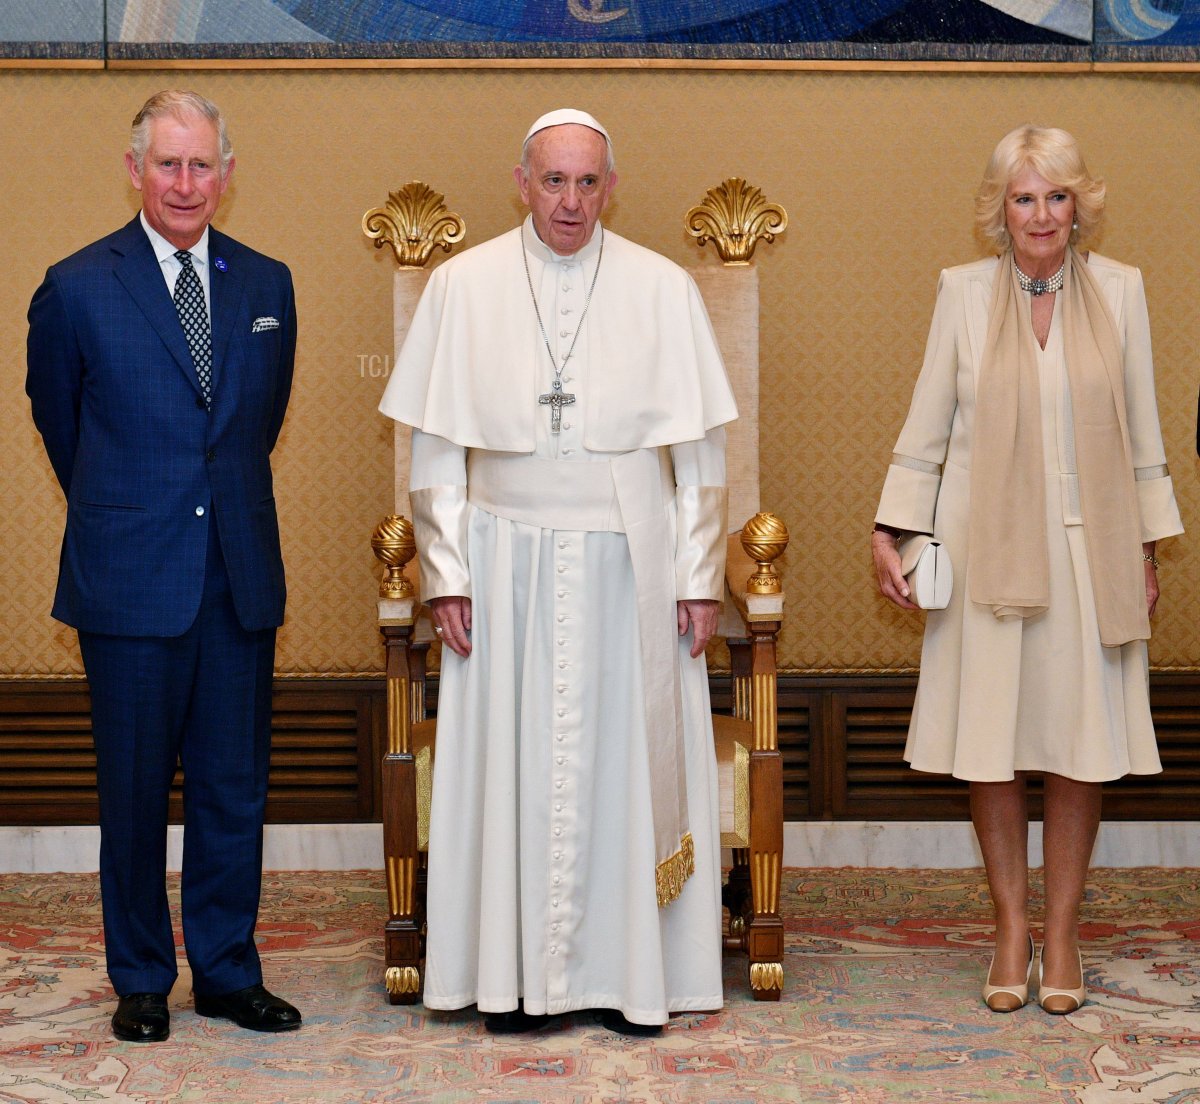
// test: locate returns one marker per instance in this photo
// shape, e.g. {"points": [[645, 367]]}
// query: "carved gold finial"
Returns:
{"points": [[413, 222], [734, 215], [764, 537], [393, 545]]}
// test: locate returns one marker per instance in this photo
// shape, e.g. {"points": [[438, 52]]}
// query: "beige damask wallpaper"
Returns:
{"points": [[876, 171]]}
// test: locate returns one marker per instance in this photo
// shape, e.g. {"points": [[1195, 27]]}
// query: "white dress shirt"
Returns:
{"points": [[169, 263]]}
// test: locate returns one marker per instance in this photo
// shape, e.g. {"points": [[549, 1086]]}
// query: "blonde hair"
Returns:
{"points": [[179, 104], [1051, 153]]}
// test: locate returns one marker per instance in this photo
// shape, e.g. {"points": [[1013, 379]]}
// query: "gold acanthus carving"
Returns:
{"points": [[414, 222], [394, 545], [734, 216], [765, 538], [402, 980], [765, 976]]}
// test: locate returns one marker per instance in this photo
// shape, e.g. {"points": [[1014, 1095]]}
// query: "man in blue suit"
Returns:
{"points": [[159, 368]]}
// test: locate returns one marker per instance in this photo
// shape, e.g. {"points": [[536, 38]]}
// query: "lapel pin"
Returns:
{"points": [[220, 265]]}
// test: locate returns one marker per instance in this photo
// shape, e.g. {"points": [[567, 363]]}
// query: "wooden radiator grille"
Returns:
{"points": [[841, 737]]}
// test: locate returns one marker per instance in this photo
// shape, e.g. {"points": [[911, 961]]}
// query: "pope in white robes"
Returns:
{"points": [[568, 491]]}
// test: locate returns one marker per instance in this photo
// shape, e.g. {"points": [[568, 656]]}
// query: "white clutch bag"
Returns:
{"points": [[926, 566]]}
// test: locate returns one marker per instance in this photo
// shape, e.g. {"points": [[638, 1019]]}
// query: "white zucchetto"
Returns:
{"points": [[563, 116]]}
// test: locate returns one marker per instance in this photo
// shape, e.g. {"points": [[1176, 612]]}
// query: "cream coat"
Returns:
{"points": [[1000, 696]]}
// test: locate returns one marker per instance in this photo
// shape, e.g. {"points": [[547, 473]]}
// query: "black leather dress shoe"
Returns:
{"points": [[253, 1007], [512, 1023], [142, 1018], [615, 1021]]}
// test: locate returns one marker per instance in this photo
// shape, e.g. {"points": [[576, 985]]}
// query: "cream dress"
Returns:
{"points": [[1039, 694]]}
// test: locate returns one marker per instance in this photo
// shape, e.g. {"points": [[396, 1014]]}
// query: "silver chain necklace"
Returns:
{"points": [[1040, 287], [557, 398]]}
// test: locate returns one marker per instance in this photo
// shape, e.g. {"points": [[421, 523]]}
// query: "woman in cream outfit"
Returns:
{"points": [[1032, 450]]}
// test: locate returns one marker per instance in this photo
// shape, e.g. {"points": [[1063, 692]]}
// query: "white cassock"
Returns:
{"points": [[556, 734]]}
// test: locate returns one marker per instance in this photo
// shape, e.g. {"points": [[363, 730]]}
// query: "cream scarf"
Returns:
{"points": [[1009, 566]]}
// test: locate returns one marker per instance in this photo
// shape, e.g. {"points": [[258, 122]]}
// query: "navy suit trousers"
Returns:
{"points": [[202, 699]]}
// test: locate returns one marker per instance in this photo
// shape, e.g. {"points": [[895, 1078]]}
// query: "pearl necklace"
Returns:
{"points": [[1040, 287]]}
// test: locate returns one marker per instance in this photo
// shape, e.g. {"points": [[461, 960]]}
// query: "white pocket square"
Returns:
{"points": [[266, 322]]}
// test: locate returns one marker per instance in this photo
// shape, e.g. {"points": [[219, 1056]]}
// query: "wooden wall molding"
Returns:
{"points": [[842, 738]]}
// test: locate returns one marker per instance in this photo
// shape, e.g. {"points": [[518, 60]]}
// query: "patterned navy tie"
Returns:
{"points": [[189, 302]]}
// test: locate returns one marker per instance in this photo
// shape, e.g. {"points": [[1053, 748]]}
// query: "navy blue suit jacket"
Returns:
{"points": [[145, 467]]}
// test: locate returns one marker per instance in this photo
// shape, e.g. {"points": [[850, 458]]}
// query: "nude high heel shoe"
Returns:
{"points": [[1061, 1002], [1008, 998]]}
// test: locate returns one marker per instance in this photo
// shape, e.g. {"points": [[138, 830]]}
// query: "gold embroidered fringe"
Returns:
{"points": [[673, 872]]}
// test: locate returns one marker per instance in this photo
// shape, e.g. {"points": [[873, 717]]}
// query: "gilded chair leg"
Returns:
{"points": [[764, 940], [751, 892], [764, 937], [402, 933]]}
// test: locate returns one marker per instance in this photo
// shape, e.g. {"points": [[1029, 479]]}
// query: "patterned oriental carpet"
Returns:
{"points": [[881, 1006]]}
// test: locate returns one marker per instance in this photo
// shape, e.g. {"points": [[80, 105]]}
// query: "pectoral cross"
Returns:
{"points": [[556, 400]]}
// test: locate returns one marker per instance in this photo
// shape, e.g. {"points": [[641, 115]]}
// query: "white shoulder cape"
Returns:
{"points": [[472, 365]]}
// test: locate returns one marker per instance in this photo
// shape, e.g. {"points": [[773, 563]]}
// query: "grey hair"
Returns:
{"points": [[610, 162], [179, 104]]}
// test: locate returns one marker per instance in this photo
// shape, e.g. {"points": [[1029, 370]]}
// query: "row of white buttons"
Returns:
{"points": [[563, 663]]}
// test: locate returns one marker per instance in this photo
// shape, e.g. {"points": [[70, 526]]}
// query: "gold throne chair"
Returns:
{"points": [[735, 217]]}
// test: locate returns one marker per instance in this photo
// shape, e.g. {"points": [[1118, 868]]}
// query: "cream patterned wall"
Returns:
{"points": [[876, 171]]}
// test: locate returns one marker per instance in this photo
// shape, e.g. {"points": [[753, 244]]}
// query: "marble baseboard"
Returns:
{"points": [[76, 849], [909, 844], [952, 844]]}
